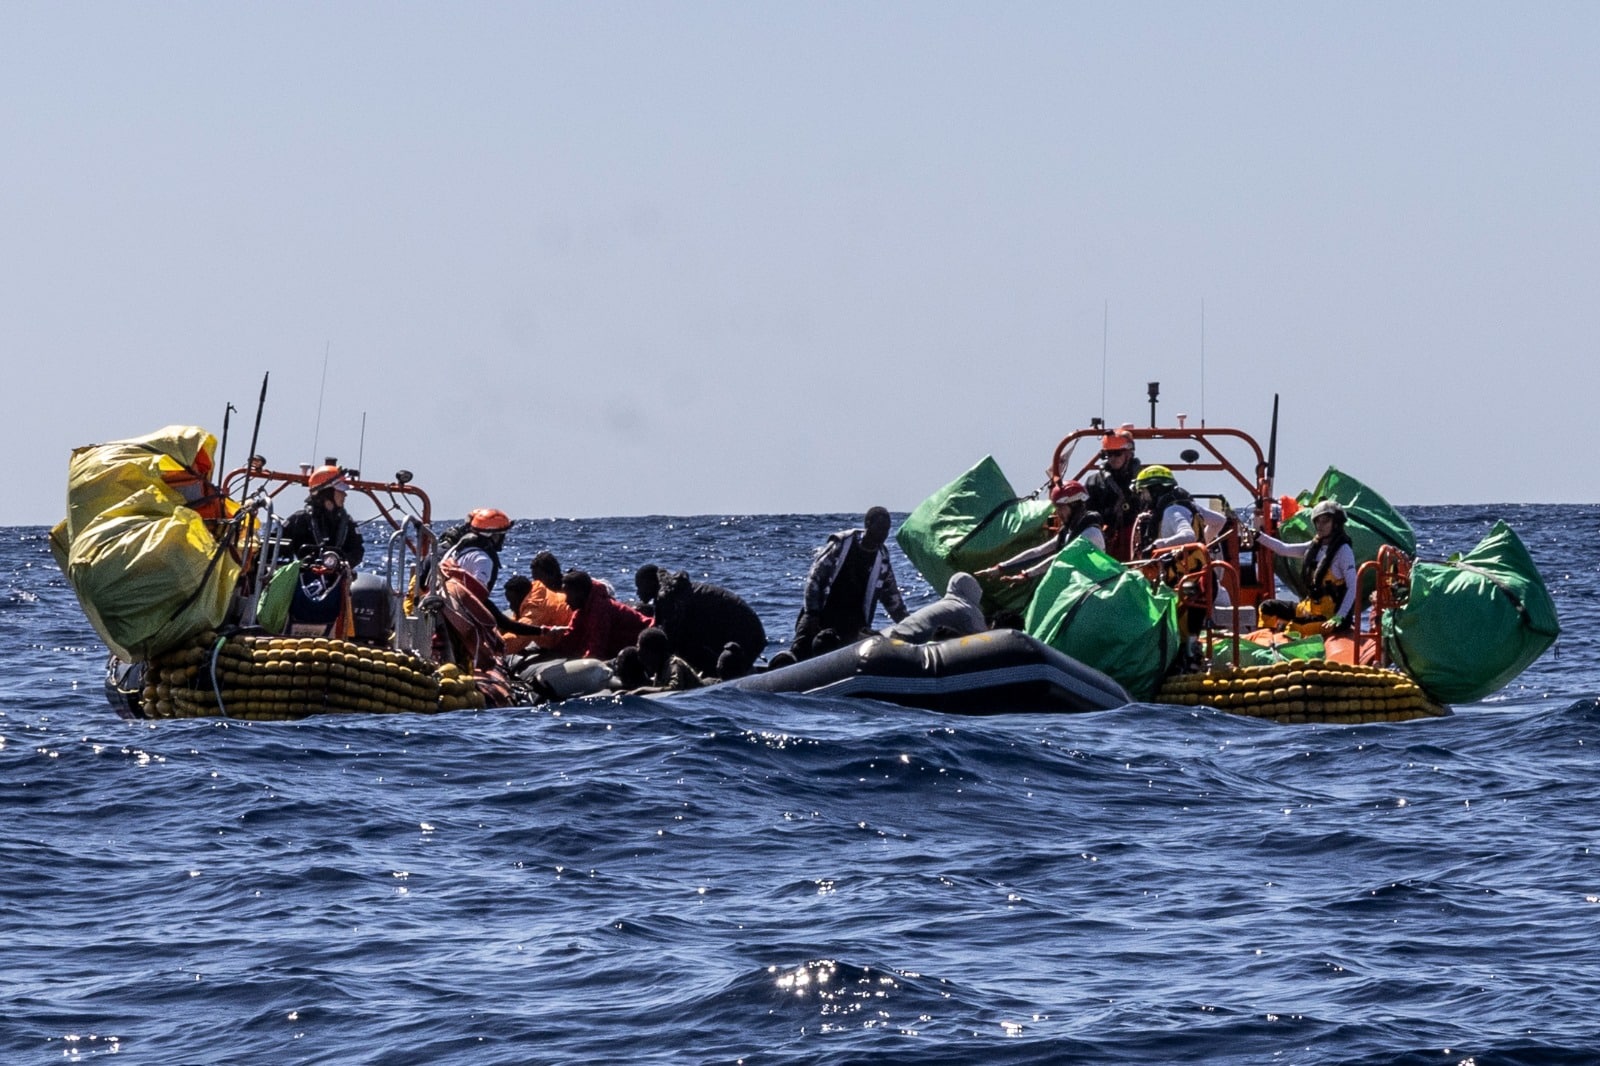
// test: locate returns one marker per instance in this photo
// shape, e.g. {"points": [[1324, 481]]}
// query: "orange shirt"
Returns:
{"points": [[542, 606]]}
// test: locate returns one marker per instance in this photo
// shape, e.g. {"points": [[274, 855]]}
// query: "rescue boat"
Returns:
{"points": [[1187, 625]]}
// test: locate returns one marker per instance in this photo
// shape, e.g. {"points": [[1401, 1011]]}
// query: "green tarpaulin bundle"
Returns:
{"points": [[974, 522], [1473, 623], [1369, 520], [1103, 614]]}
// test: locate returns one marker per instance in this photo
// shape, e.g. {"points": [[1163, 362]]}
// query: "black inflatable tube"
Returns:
{"points": [[1002, 671]]}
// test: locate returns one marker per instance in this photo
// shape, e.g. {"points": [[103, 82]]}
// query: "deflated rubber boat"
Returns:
{"points": [[999, 672]]}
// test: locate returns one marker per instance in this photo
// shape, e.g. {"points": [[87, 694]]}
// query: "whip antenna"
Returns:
{"points": [[1202, 362], [222, 449], [1105, 332], [316, 431], [361, 449]]}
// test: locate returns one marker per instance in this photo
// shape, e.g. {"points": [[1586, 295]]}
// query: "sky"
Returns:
{"points": [[587, 259]]}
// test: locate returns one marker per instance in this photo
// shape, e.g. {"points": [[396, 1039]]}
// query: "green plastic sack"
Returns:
{"points": [[272, 612], [1473, 623], [1253, 654], [1370, 520], [1094, 609], [974, 522]]}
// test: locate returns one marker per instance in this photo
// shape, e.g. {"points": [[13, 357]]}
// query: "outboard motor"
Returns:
{"points": [[371, 609]]}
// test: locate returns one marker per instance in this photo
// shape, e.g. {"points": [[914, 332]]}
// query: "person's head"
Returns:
{"points": [[630, 674], [1116, 450], [654, 650], [490, 522], [328, 486], [1156, 481], [647, 581], [731, 661], [546, 570], [1328, 519], [876, 526], [965, 587], [1068, 496], [577, 585], [517, 588]]}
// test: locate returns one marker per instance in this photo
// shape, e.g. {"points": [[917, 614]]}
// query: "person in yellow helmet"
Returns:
{"points": [[1168, 515]]}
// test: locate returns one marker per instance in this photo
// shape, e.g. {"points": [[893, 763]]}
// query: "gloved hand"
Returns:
{"points": [[432, 603], [1335, 624]]}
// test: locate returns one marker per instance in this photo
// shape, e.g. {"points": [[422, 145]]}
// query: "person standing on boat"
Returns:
{"points": [[1328, 572], [465, 578], [323, 528], [1075, 520], [849, 577], [1112, 493]]}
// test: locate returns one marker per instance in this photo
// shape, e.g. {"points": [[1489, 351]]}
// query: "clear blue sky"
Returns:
{"points": [[593, 258]]}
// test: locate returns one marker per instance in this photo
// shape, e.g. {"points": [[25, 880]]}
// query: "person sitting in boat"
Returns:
{"points": [[702, 619], [659, 669], [1327, 572], [849, 577], [1073, 520], [539, 603], [1168, 515], [601, 626], [323, 530], [1112, 493], [956, 614]]}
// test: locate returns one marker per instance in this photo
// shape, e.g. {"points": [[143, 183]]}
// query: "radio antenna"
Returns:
{"points": [[1202, 362], [361, 451], [1105, 332], [316, 432]]}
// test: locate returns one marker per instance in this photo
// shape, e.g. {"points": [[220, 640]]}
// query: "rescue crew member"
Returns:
{"points": [[1328, 571], [1168, 515], [1075, 520], [466, 575], [323, 527], [849, 577], [1111, 491]]}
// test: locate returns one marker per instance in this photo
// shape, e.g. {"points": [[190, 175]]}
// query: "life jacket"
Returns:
{"points": [[329, 532], [1147, 527], [482, 542], [474, 627], [1324, 591]]}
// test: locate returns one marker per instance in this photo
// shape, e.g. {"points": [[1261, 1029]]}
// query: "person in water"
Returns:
{"points": [[323, 530], [957, 614], [601, 626], [1327, 572], [1073, 520], [1111, 491], [541, 603], [701, 620], [849, 577]]}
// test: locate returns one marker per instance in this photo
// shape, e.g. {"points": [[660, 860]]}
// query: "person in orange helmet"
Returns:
{"points": [[323, 530], [1111, 491]]}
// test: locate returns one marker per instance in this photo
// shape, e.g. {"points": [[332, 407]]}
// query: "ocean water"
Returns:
{"points": [[732, 878]]}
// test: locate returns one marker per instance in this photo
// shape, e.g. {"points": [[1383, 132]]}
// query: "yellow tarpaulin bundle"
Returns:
{"points": [[135, 545]]}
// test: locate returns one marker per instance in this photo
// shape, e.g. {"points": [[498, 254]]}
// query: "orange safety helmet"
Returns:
{"points": [[1115, 442], [489, 520], [1069, 492], [328, 477]]}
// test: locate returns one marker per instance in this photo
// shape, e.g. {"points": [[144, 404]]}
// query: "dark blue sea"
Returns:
{"points": [[732, 878]]}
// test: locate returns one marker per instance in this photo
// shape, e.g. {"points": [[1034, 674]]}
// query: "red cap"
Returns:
{"points": [[1069, 492]]}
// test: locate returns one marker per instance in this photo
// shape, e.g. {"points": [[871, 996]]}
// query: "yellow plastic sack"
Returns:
{"points": [[147, 570]]}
